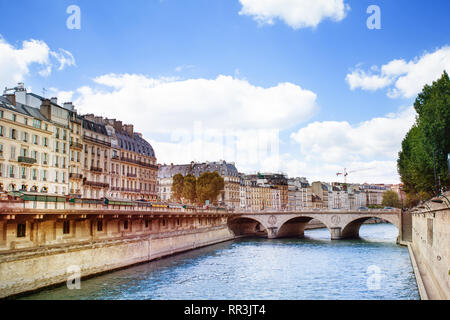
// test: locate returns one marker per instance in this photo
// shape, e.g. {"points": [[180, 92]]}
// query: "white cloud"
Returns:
{"points": [[360, 79], [372, 145], [408, 77], [64, 58], [295, 13], [15, 62], [166, 104]]}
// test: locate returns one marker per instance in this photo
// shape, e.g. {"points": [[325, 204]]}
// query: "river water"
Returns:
{"points": [[373, 267]]}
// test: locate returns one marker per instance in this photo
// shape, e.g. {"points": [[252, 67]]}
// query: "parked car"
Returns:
{"points": [[388, 208], [363, 208]]}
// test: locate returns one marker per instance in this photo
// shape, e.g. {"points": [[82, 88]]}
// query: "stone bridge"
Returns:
{"points": [[341, 224]]}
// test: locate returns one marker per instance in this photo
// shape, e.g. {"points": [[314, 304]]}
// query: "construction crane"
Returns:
{"points": [[345, 173]]}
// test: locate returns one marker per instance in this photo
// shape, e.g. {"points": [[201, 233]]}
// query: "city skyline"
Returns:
{"points": [[289, 75]]}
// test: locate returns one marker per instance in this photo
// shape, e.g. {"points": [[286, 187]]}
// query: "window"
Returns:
{"points": [[37, 123], [146, 223], [1, 131], [13, 134], [45, 142], [100, 225], [25, 121], [14, 117], [66, 227], [125, 224], [11, 171], [24, 136], [1, 151], [35, 140], [21, 230]]}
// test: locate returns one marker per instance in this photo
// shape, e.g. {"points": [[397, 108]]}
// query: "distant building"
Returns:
{"points": [[374, 193], [231, 193]]}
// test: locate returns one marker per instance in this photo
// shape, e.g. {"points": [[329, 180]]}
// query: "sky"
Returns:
{"points": [[295, 86]]}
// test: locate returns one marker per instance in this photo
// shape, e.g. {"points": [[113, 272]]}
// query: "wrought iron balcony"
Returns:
{"points": [[75, 176], [76, 145], [27, 160]]}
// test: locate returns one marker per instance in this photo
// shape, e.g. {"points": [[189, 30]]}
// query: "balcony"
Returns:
{"points": [[130, 190], [95, 140], [115, 158], [140, 163], [96, 169], [27, 160], [131, 175], [75, 176], [96, 184], [75, 191]]}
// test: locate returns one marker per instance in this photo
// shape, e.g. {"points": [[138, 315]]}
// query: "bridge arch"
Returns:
{"points": [[247, 226], [295, 227], [351, 229]]}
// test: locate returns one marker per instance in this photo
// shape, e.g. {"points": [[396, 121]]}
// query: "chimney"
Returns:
{"points": [[68, 106], [89, 117], [98, 120], [11, 98], [54, 100], [128, 128], [45, 108]]}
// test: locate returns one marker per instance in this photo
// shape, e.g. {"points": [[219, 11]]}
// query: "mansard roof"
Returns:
{"points": [[196, 169], [135, 144]]}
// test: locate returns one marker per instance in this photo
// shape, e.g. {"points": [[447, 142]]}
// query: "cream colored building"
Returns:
{"points": [[34, 143]]}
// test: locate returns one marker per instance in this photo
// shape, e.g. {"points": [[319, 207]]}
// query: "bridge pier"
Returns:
{"points": [[272, 233], [336, 233]]}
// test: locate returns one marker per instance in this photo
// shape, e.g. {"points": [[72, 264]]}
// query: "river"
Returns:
{"points": [[373, 267]]}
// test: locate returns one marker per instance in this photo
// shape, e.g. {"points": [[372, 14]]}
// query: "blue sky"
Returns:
{"points": [[174, 41]]}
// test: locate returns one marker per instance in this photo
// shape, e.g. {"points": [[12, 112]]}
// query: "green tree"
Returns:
{"points": [[177, 187], [209, 186], [391, 199], [422, 161], [189, 188]]}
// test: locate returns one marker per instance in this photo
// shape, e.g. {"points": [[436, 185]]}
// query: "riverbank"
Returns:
{"points": [[24, 271]]}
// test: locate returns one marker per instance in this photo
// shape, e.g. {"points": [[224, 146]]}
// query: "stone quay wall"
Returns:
{"points": [[431, 248], [32, 269]]}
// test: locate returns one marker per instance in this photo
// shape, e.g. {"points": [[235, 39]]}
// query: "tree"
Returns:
{"points": [[209, 186], [391, 199], [189, 188], [422, 161], [177, 187]]}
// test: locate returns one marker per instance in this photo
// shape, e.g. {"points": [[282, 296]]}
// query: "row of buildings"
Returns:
{"points": [[274, 191], [49, 148]]}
